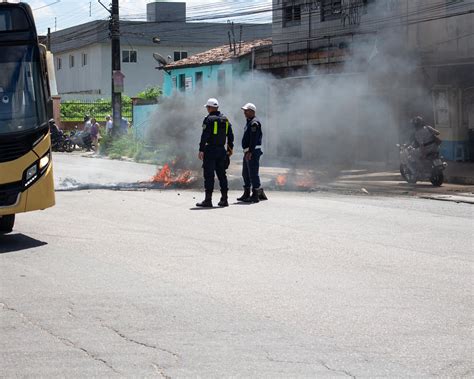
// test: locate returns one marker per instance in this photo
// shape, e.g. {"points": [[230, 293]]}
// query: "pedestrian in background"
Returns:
{"points": [[216, 132], [87, 123], [252, 145], [124, 125], [108, 125], [94, 130]]}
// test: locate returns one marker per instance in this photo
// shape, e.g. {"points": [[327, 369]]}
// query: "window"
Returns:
{"points": [[331, 10], [129, 56], [291, 15], [441, 105], [59, 63], [71, 61], [181, 82], [84, 59], [178, 55], [198, 79]]}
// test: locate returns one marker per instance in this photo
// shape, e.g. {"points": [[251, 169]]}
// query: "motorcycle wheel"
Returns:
{"points": [[437, 178], [6, 223], [407, 175], [68, 147]]}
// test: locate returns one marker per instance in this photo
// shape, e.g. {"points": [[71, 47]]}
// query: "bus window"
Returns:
{"points": [[13, 20], [22, 105]]}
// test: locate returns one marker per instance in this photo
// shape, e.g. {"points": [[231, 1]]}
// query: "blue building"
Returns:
{"points": [[218, 68]]}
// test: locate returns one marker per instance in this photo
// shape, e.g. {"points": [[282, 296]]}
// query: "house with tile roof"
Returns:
{"points": [[215, 68]]}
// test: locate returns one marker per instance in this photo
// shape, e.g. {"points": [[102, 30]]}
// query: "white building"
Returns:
{"points": [[83, 53]]}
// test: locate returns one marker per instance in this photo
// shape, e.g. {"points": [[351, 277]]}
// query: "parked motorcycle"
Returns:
{"points": [[413, 169], [61, 142], [83, 140]]}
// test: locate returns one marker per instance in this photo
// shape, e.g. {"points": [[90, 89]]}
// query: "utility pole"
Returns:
{"points": [[48, 43], [117, 77]]}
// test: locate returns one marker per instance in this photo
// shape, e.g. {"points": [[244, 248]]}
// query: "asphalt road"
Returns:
{"points": [[139, 284]]}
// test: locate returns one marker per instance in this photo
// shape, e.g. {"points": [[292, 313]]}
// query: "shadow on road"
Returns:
{"points": [[204, 209], [12, 243]]}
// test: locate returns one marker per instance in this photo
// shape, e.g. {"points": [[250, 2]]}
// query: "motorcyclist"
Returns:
{"points": [[425, 141], [56, 133]]}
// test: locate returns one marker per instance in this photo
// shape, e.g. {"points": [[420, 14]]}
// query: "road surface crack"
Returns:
{"points": [[63, 340], [70, 311], [160, 371], [144, 344], [322, 363]]}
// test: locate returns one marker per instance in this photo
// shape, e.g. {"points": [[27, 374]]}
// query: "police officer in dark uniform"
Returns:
{"points": [[252, 145], [216, 131]]}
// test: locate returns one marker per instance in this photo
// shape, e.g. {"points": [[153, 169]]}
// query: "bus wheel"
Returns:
{"points": [[6, 223]]}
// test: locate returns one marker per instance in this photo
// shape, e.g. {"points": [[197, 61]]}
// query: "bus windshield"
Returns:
{"points": [[22, 99]]}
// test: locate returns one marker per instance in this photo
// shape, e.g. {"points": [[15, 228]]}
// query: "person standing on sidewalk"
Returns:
{"points": [[216, 131], [108, 125], [94, 130], [252, 145]]}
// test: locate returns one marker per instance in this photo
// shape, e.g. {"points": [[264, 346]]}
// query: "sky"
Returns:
{"points": [[60, 14]]}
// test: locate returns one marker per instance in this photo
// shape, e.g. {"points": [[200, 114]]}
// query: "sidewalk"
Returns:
{"points": [[460, 173], [459, 186]]}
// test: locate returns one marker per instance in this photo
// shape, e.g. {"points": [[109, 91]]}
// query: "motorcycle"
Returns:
{"points": [[61, 143], [413, 169], [81, 139]]}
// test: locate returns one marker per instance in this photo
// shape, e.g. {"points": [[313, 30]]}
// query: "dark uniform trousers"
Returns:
{"points": [[250, 170], [215, 161]]}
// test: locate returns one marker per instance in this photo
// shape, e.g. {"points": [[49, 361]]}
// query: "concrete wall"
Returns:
{"points": [[142, 116]]}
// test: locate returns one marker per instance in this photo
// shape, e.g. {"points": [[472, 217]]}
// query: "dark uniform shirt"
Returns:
{"points": [[253, 135], [216, 130]]}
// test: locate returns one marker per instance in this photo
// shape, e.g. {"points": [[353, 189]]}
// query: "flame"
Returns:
{"points": [[305, 182], [281, 180], [165, 176]]}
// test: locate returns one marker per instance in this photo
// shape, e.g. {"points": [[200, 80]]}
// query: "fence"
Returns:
{"points": [[74, 111]]}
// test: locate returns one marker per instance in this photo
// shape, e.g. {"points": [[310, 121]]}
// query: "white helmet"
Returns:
{"points": [[249, 106], [212, 103]]}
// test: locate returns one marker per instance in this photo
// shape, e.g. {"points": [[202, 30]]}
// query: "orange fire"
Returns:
{"points": [[281, 180], [166, 177], [305, 182]]}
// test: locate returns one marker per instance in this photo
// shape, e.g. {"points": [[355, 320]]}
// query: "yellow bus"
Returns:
{"points": [[26, 176]]}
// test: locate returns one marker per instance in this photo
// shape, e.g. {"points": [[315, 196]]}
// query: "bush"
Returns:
{"points": [[130, 147], [150, 93]]}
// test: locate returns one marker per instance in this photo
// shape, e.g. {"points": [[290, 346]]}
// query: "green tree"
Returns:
{"points": [[150, 93]]}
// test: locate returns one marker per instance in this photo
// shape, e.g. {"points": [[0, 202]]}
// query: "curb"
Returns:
{"points": [[462, 180]]}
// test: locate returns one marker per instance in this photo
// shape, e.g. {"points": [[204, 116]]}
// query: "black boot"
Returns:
{"points": [[245, 196], [253, 198], [207, 203], [223, 202], [261, 195]]}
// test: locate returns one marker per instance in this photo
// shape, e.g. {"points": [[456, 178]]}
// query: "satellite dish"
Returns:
{"points": [[160, 59]]}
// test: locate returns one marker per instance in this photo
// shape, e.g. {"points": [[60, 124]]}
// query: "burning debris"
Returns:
{"points": [[281, 180], [296, 181], [166, 177]]}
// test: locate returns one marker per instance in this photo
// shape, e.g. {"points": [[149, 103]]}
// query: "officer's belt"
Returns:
{"points": [[256, 147]]}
